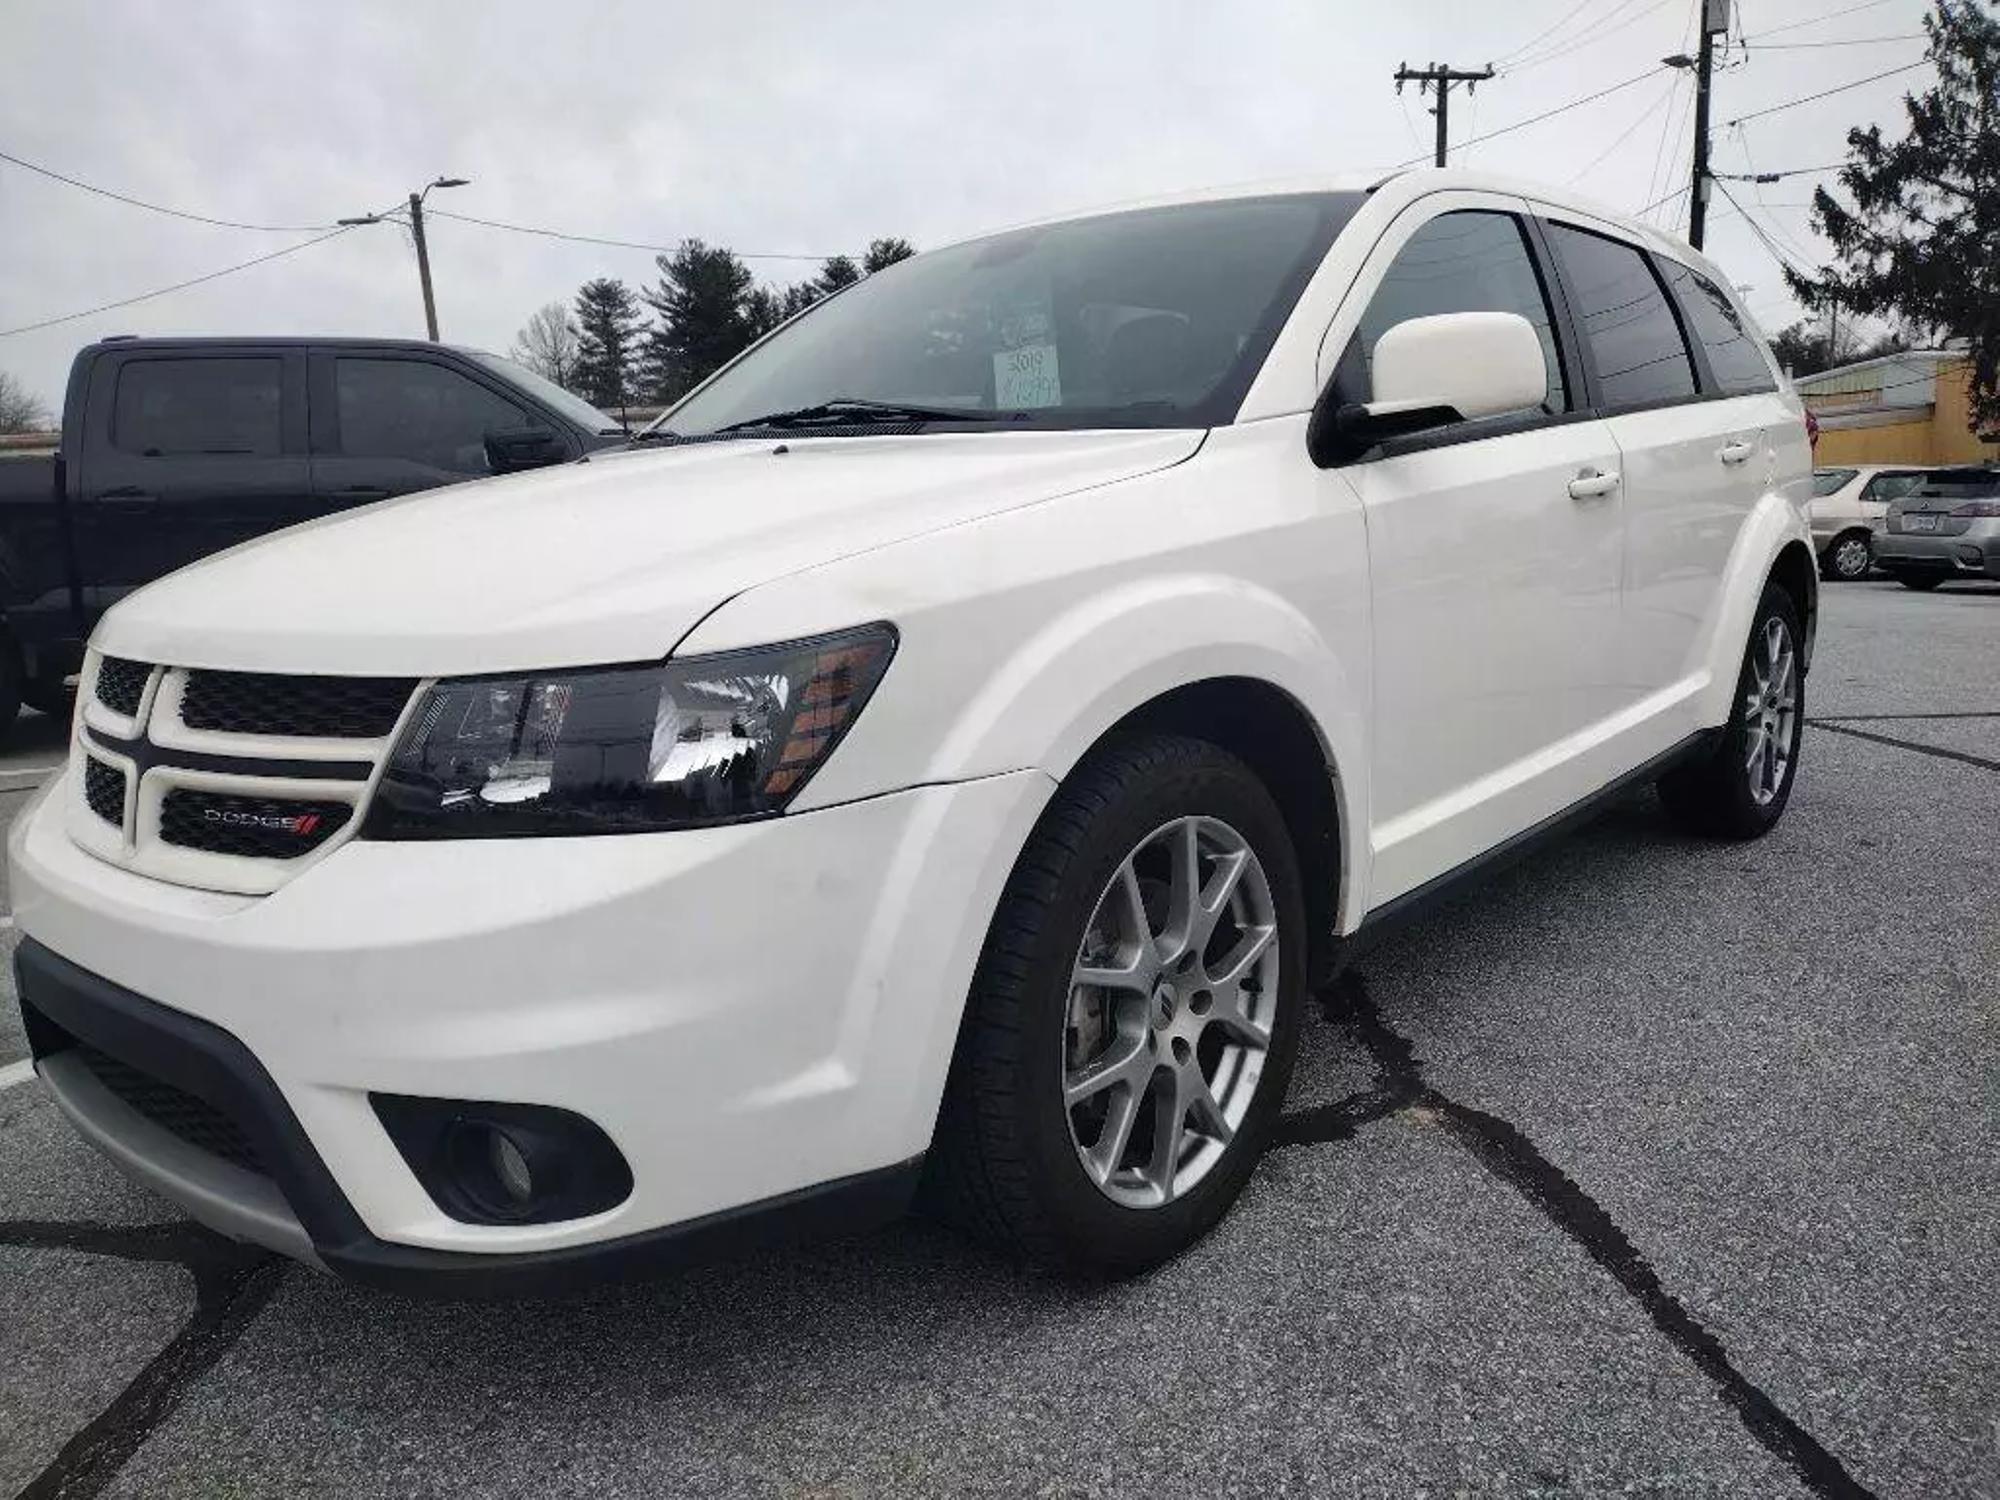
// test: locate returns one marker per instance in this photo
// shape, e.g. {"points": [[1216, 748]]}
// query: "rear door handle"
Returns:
{"points": [[1736, 452], [362, 492], [130, 494], [1592, 483]]}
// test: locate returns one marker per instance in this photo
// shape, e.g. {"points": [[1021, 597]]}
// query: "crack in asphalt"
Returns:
{"points": [[231, 1286], [1917, 745], [1513, 1158], [233, 1283]]}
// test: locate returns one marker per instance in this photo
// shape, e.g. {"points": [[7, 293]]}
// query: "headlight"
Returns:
{"points": [[707, 739]]}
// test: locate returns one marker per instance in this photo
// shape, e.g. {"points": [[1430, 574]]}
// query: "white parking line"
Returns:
{"points": [[18, 1072], [26, 778]]}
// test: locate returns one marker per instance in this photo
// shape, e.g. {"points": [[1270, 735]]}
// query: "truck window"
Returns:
{"points": [[166, 407], [1733, 354], [1636, 343], [425, 413], [1470, 261]]}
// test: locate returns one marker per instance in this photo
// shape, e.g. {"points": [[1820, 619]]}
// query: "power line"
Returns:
{"points": [[1679, 192], [1758, 230], [179, 286], [1673, 82], [158, 208], [592, 239], [1547, 113], [1832, 166], [1817, 20], [1859, 41], [1839, 88], [1541, 36], [1588, 39]]}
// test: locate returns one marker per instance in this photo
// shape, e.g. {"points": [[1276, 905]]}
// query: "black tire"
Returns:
{"points": [[1923, 583], [10, 683], [1003, 1165], [1849, 557], [47, 697], [1718, 796]]}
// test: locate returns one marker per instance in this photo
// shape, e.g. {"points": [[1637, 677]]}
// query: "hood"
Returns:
{"points": [[614, 559]]}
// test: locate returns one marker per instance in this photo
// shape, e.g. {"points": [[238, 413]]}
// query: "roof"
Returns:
{"points": [[1839, 373], [272, 341], [1403, 181]]}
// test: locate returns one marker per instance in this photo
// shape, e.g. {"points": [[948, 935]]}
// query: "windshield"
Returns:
{"points": [[1826, 481], [1149, 318], [572, 407]]}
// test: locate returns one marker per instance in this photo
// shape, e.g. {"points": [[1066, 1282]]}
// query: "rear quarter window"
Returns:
{"points": [[168, 408], [1635, 339], [1735, 354]]}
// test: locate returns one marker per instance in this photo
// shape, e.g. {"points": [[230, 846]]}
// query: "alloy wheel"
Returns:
{"points": [[1770, 709], [1173, 998]]}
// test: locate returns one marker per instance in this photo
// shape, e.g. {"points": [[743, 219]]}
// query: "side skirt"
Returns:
{"points": [[1390, 917]]}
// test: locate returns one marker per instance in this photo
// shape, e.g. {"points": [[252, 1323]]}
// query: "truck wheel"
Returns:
{"points": [[1849, 558], [10, 682], [1134, 1016], [1739, 790], [48, 697]]}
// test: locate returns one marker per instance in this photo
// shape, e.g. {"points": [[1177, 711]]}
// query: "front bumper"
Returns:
{"points": [[750, 1013], [1973, 553]]}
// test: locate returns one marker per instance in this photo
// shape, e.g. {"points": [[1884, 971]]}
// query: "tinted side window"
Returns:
{"points": [[1471, 261], [1733, 354], [1886, 487], [208, 406], [405, 408], [1634, 339]]}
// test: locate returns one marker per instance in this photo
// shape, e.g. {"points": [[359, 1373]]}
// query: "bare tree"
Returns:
{"points": [[21, 410], [548, 345]]}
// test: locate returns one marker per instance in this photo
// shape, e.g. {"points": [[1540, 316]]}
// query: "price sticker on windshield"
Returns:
{"points": [[1026, 377]]}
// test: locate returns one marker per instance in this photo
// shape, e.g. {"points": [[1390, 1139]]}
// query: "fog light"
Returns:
{"points": [[494, 1163]]}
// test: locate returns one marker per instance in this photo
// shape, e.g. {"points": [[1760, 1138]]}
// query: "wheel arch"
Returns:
{"points": [[1272, 733], [1773, 546]]}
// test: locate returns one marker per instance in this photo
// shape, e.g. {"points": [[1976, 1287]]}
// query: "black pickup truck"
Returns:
{"points": [[175, 448]]}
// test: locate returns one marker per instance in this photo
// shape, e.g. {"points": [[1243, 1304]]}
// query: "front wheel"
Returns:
{"points": [[1740, 788], [1133, 1020], [1849, 558]]}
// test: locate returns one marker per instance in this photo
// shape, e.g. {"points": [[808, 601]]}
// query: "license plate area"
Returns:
{"points": [[1920, 523]]}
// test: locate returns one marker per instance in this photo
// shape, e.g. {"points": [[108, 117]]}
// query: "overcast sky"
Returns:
{"points": [[805, 129]]}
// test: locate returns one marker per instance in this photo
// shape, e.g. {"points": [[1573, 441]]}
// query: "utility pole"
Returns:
{"points": [[1714, 22], [423, 264], [423, 250], [1440, 77]]}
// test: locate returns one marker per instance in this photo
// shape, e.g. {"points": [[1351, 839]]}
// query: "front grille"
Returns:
{"points": [[104, 790], [174, 1110], [257, 827], [121, 683], [355, 708]]}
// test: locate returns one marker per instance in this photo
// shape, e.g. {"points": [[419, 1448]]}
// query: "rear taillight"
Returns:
{"points": [[1977, 510], [1812, 429]]}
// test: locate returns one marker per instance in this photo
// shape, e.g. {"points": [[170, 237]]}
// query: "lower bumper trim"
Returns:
{"points": [[299, 1211]]}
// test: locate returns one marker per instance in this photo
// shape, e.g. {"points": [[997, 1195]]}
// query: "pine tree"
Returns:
{"points": [[884, 253], [607, 323], [835, 272], [701, 304], [1922, 239]]}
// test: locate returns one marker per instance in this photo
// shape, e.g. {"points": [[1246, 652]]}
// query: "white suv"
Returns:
{"points": [[944, 754]]}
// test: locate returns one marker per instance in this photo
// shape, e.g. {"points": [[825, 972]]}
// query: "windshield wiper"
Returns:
{"points": [[853, 411]]}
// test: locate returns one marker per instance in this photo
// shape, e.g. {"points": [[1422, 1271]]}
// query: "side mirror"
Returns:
{"points": [[1431, 372], [512, 448]]}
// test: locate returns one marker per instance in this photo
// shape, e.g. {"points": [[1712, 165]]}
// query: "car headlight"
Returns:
{"points": [[705, 739]]}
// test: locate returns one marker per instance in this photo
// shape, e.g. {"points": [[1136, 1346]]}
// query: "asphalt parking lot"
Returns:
{"points": [[1652, 1167]]}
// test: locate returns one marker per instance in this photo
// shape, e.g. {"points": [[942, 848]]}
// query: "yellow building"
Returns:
{"points": [[1908, 408]]}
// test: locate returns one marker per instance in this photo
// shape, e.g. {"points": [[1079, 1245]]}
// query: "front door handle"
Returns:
{"points": [[130, 494], [1736, 452], [363, 492], [1592, 483]]}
